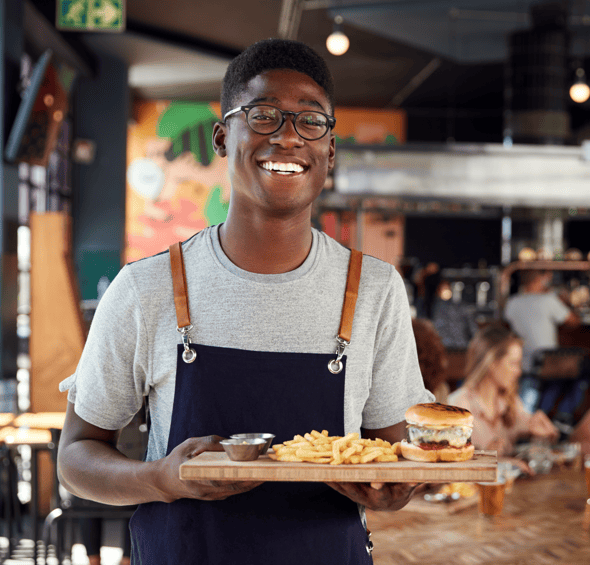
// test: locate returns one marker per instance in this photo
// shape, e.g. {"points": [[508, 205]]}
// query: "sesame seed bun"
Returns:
{"points": [[437, 414]]}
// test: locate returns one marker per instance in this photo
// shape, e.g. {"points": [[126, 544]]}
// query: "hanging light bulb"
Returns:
{"points": [[580, 91], [337, 42]]}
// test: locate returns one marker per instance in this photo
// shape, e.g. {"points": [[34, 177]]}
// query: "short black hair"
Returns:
{"points": [[270, 54]]}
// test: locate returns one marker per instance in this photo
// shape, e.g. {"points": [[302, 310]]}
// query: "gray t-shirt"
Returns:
{"points": [[132, 344], [535, 318]]}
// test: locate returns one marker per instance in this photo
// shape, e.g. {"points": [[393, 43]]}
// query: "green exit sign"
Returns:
{"points": [[91, 15]]}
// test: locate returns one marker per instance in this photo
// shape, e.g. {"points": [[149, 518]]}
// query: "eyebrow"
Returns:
{"points": [[274, 100]]}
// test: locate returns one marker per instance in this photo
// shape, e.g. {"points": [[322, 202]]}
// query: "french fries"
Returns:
{"points": [[320, 447]]}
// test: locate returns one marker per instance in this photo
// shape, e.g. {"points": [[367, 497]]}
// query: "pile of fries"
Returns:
{"points": [[464, 489], [316, 447]]}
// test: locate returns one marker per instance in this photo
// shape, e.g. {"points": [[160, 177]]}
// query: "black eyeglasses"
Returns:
{"points": [[266, 120]]}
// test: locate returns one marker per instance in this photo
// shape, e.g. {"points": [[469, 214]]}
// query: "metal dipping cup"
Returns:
{"points": [[266, 437], [243, 449]]}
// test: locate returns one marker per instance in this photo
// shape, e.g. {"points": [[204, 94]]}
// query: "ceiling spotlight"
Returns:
{"points": [[337, 42], [579, 91]]}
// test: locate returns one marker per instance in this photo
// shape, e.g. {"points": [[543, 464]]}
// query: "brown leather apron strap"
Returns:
{"points": [[352, 290], [179, 284]]}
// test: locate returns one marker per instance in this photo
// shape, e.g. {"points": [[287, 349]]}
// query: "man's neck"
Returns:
{"points": [[269, 245], [535, 289]]}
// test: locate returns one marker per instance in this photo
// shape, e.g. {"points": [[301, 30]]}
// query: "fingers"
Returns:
{"points": [[196, 445]]}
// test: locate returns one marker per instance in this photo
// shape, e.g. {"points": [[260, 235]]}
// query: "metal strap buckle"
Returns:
{"points": [[335, 366], [189, 354], [369, 545]]}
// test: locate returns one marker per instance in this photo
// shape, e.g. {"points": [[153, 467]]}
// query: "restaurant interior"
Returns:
{"points": [[463, 159]]}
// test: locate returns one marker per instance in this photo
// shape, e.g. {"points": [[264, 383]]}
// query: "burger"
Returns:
{"points": [[438, 432]]}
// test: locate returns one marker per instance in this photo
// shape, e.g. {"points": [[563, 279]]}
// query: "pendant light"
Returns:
{"points": [[579, 91], [337, 42]]}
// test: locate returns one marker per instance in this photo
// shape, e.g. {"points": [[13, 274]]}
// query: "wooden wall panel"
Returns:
{"points": [[58, 330]]}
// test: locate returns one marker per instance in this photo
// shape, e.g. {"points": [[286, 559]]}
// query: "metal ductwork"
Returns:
{"points": [[537, 79]]}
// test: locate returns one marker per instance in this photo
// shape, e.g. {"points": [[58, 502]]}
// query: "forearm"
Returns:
{"points": [[94, 470]]}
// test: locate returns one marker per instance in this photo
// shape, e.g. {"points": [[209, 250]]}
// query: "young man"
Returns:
{"points": [[265, 294], [535, 314]]}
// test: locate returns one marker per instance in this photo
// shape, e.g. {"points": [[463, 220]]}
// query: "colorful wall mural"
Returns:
{"points": [[176, 184], [370, 126]]}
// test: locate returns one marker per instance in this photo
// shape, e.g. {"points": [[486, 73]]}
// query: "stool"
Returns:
{"points": [[66, 515]]}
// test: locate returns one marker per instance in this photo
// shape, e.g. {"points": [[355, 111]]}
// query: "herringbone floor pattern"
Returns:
{"points": [[545, 521]]}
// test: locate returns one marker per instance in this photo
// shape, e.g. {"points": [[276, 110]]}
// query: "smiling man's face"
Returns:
{"points": [[281, 173]]}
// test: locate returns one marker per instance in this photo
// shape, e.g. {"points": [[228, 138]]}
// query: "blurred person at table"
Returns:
{"points": [[493, 367], [265, 292], [432, 357], [535, 313]]}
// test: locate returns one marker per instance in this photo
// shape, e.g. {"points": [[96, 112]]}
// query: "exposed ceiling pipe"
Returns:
{"points": [[289, 19], [415, 82]]}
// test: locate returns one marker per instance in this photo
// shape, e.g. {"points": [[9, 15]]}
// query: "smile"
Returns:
{"points": [[282, 168]]}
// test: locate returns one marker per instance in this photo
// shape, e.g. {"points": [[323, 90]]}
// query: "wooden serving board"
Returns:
{"points": [[217, 466]]}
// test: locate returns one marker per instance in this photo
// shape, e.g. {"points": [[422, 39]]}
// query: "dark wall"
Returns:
{"points": [[577, 234], [101, 113], [453, 242], [11, 46]]}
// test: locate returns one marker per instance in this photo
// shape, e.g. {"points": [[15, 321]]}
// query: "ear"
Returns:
{"points": [[219, 135], [332, 152]]}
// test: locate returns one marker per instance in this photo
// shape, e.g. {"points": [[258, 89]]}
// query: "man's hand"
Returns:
{"points": [[377, 496], [174, 488]]}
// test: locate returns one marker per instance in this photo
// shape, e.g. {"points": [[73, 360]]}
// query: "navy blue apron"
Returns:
{"points": [[223, 391]]}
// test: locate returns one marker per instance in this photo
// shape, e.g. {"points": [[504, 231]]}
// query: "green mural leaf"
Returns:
{"points": [[190, 127], [215, 208]]}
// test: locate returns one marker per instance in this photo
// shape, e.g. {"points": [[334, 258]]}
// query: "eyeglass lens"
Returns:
{"points": [[268, 119]]}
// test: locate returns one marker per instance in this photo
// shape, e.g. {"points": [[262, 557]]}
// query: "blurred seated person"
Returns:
{"points": [[535, 313], [453, 321], [432, 358], [493, 367]]}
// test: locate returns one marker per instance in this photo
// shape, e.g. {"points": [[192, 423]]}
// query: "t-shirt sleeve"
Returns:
{"points": [[507, 315], [559, 311], [110, 381], [396, 381]]}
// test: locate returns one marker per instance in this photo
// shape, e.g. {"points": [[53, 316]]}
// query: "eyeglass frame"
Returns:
{"points": [[331, 119]]}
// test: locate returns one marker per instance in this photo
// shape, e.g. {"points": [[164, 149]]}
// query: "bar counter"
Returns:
{"points": [[545, 520]]}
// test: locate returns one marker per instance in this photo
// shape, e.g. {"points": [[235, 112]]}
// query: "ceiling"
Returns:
{"points": [[429, 54]]}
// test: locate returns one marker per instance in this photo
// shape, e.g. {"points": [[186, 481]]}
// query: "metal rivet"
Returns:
{"points": [[189, 355], [335, 366]]}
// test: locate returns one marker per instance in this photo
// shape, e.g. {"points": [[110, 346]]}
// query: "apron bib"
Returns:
{"points": [[224, 391]]}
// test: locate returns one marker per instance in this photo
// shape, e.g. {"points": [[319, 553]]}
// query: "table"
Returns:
{"points": [[33, 430], [545, 521]]}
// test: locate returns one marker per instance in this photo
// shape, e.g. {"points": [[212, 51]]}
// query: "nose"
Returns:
{"points": [[287, 135]]}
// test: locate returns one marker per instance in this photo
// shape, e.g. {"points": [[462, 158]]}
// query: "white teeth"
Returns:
{"points": [[282, 167]]}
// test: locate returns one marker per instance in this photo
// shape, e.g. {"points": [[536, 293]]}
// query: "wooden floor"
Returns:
{"points": [[545, 520]]}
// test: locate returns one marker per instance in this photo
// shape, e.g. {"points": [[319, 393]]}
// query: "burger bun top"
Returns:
{"points": [[437, 414]]}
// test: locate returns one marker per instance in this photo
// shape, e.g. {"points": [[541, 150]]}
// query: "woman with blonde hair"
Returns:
{"points": [[493, 368]]}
